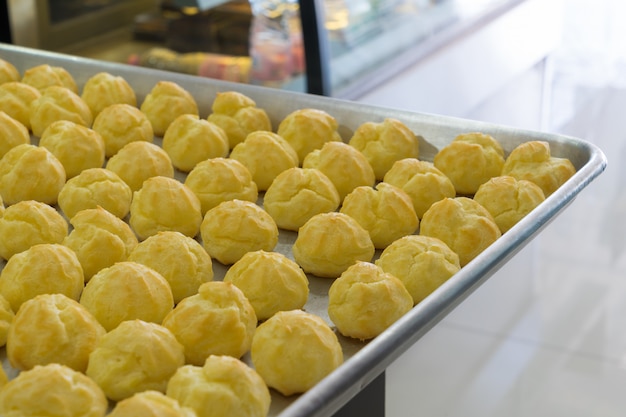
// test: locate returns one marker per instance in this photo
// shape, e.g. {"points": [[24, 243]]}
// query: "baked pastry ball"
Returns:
{"points": [[28, 223], [424, 183], [8, 72], [30, 172], [181, 260], [238, 115], [165, 204], [6, 318], [99, 239], [236, 227], [298, 194], [384, 143], [266, 155], [104, 89], [166, 101], [386, 212], [462, 224], [221, 179], [43, 76], [150, 404], [58, 103], [218, 320], [508, 199], [121, 124], [12, 133], [190, 140], [533, 161], [52, 328], [308, 129], [15, 99], [294, 350], [343, 164], [58, 390], [329, 243], [77, 147], [133, 357], [95, 187], [46, 268], [470, 160], [223, 387], [270, 281], [138, 161], [365, 300], [422, 263], [127, 291]]}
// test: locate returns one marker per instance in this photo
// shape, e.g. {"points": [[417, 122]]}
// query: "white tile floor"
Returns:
{"points": [[546, 335]]}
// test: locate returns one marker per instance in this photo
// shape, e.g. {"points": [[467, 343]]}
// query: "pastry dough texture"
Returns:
{"points": [[6, 318], [59, 391], [58, 103], [104, 89], [166, 101], [222, 387], [43, 76], [15, 100], [139, 161], [365, 300], [294, 350], [150, 403], [121, 124], [308, 129], [8, 72], [218, 320], [135, 356], [422, 263], [12, 132], [52, 328]]}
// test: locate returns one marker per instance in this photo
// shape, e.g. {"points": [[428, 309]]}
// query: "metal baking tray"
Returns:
{"points": [[363, 361]]}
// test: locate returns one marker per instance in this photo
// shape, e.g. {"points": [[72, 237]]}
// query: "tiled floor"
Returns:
{"points": [[546, 335]]}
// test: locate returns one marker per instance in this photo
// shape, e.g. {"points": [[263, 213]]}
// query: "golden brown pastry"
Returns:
{"points": [[12, 133], [365, 300], [121, 124], [424, 183], [59, 390], [150, 404], [127, 291], [308, 129], [52, 328], [222, 387], [190, 140], [270, 281], [218, 320], [298, 194], [509, 200], [133, 357], [6, 318], [95, 187], [533, 161], [15, 100], [46, 268], [43, 76], [104, 89], [166, 101], [462, 224], [238, 115], [221, 179], [343, 164], [384, 143], [386, 212], [236, 227], [470, 160], [138, 161], [422, 263], [28, 223], [294, 350], [77, 147], [99, 239], [30, 172], [165, 204], [58, 103], [181, 260], [8, 72], [266, 155]]}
